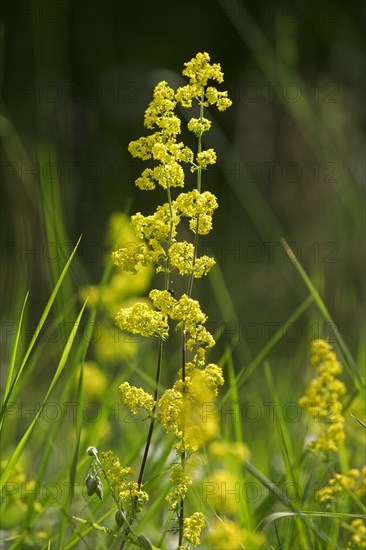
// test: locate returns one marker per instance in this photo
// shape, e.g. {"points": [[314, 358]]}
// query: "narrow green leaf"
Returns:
{"points": [[60, 367], [15, 346], [278, 515], [38, 329], [324, 311]]}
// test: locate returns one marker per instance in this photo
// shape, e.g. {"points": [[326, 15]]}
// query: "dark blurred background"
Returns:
{"points": [[76, 77]]}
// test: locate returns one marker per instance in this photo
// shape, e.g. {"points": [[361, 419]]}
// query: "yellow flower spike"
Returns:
{"points": [[341, 484], [358, 539], [322, 398], [179, 409], [180, 480], [161, 107], [193, 526]]}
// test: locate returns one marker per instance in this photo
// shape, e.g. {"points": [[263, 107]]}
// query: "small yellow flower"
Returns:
{"points": [[358, 539], [199, 125], [204, 158], [141, 319], [197, 206], [322, 398], [353, 481], [193, 526], [161, 107], [181, 256], [180, 481], [130, 258], [133, 495], [115, 471], [199, 70], [136, 398], [220, 99]]}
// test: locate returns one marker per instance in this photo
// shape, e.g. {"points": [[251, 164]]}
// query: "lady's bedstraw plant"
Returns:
{"points": [[179, 409]]}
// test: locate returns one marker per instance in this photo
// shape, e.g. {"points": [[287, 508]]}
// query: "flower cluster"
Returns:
{"points": [[115, 471], [180, 480], [129, 493], [199, 71], [136, 398], [132, 495], [322, 398], [353, 481], [142, 319], [192, 528], [180, 409], [358, 539]]}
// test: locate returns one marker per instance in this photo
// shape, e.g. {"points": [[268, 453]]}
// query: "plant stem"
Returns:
{"points": [[198, 187], [189, 293], [158, 372], [152, 420], [183, 454]]}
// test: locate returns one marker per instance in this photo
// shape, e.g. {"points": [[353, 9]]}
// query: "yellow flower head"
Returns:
{"points": [[115, 471], [199, 70], [358, 539], [136, 398], [322, 398], [180, 480], [193, 526], [141, 319]]}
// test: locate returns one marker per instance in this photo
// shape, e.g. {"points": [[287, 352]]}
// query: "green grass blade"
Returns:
{"points": [[60, 367], [15, 348], [278, 515], [38, 328], [87, 529], [272, 487], [358, 420], [356, 377], [290, 462]]}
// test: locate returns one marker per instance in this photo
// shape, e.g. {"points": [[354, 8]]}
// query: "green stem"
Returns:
{"points": [[158, 373], [189, 293], [183, 454], [153, 417], [160, 356], [198, 187]]}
